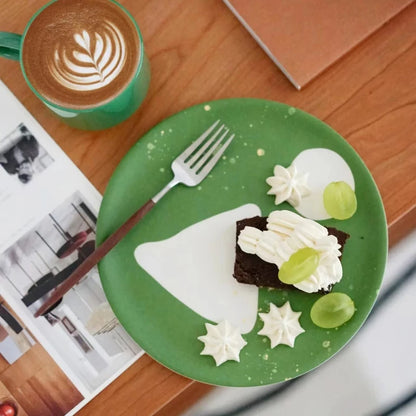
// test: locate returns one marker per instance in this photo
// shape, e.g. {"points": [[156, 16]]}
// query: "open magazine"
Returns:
{"points": [[54, 364]]}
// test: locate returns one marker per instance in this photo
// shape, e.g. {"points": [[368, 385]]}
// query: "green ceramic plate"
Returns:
{"points": [[267, 133]]}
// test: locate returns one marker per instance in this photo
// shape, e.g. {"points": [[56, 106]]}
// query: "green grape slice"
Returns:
{"points": [[339, 200], [332, 310], [299, 266]]}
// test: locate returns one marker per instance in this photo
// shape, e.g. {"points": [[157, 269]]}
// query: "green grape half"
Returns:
{"points": [[339, 200], [332, 310], [299, 266]]}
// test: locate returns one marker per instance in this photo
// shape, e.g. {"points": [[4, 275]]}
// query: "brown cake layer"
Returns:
{"points": [[251, 269]]}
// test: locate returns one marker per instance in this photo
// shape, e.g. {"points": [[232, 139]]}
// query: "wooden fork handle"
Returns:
{"points": [[95, 257]]}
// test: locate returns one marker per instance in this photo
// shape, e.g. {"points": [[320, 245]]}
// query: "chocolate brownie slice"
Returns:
{"points": [[251, 269]]}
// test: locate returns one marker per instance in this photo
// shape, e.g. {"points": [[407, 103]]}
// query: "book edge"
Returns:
{"points": [[262, 45]]}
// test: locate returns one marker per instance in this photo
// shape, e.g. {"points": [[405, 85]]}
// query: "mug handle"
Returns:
{"points": [[10, 45]]}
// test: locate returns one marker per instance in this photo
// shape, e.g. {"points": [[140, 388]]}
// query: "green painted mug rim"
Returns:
{"points": [[89, 109]]}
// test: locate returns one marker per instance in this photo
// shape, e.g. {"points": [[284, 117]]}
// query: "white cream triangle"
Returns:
{"points": [[196, 266]]}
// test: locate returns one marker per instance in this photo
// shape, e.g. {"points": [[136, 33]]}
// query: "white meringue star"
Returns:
{"points": [[223, 341], [281, 325], [288, 184]]}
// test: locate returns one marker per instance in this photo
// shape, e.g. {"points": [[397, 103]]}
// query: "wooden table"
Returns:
{"points": [[199, 52]]}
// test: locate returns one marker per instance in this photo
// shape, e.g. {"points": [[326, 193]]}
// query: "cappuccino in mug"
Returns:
{"points": [[81, 53]]}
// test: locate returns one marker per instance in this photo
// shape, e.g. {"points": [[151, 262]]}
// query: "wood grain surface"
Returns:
{"points": [[199, 52], [37, 384]]}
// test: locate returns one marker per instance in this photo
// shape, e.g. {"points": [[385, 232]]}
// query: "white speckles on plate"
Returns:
{"points": [[260, 152], [207, 107], [291, 111], [326, 344], [150, 146]]}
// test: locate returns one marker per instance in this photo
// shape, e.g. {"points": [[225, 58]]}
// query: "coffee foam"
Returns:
{"points": [[81, 53], [98, 61]]}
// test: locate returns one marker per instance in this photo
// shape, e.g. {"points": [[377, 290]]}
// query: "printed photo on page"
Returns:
{"points": [[48, 215]]}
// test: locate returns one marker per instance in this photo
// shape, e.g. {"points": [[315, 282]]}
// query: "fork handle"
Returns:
{"points": [[95, 257]]}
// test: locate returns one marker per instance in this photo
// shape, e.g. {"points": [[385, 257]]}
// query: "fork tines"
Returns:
{"points": [[203, 154]]}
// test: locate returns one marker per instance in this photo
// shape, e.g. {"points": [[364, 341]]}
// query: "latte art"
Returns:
{"points": [[81, 53], [98, 60]]}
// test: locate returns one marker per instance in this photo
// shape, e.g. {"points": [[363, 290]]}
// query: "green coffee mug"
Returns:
{"points": [[102, 116]]}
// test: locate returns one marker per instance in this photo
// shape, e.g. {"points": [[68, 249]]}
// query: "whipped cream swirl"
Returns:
{"points": [[223, 342], [287, 233], [95, 61], [249, 240], [281, 325], [288, 185]]}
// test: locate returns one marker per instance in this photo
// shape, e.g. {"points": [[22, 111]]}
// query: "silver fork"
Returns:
{"points": [[197, 160], [189, 168]]}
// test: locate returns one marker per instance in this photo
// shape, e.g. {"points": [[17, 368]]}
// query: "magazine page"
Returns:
{"points": [[54, 364]]}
